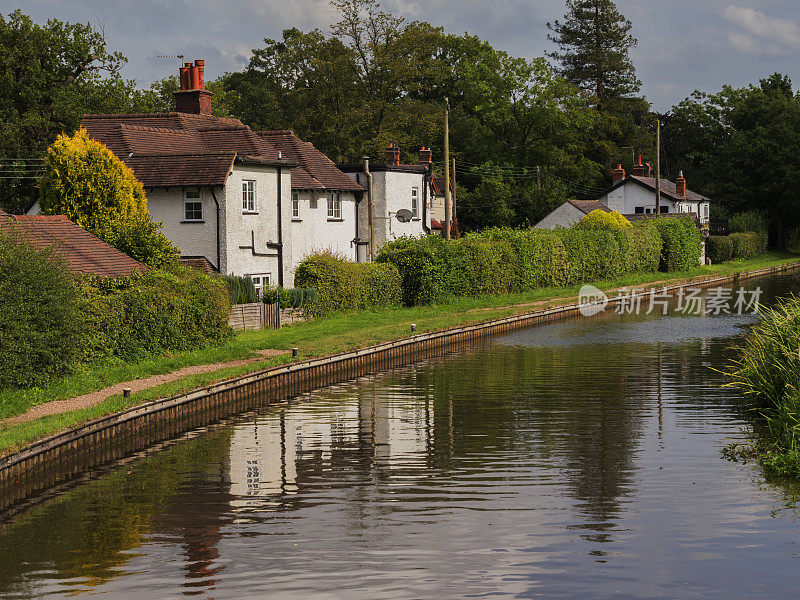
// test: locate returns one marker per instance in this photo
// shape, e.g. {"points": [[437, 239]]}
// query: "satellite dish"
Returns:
{"points": [[404, 215]]}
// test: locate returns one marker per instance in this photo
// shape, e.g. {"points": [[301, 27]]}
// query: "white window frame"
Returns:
{"points": [[415, 203], [334, 206], [249, 196], [189, 197], [295, 205], [261, 281]]}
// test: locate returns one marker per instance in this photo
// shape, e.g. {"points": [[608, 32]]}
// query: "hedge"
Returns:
{"points": [[345, 285], [746, 245], [719, 248], [600, 219], [682, 243], [501, 261], [241, 290], [154, 313], [41, 321]]}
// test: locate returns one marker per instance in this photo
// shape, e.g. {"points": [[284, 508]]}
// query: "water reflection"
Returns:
{"points": [[572, 460]]}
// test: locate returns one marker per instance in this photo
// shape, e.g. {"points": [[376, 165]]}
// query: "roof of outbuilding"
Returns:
{"points": [[84, 252], [314, 170], [587, 206], [181, 149]]}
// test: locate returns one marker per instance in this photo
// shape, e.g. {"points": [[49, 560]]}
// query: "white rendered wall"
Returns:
{"points": [[392, 190], [313, 230], [565, 215]]}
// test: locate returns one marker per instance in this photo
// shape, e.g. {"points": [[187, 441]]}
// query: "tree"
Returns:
{"points": [[87, 182], [739, 147], [50, 75], [594, 40]]}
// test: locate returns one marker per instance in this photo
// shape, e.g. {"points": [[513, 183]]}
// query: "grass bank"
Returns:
{"points": [[334, 333], [768, 372]]}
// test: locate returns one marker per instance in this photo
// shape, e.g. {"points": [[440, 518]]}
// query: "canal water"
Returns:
{"points": [[575, 460]]}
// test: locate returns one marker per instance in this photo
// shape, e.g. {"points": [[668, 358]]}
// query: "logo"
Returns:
{"points": [[591, 301]]}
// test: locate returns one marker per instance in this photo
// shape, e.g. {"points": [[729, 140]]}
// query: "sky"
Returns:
{"points": [[684, 45]]}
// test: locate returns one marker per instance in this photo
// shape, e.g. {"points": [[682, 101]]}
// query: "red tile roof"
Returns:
{"points": [[84, 252], [314, 170], [669, 189], [181, 149]]}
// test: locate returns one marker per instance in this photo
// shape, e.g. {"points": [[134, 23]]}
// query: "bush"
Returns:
{"points": [[144, 241], [343, 285], [682, 243], [719, 248], [599, 219], [594, 254], [746, 245], [291, 298], [41, 327], [793, 240], [155, 312], [241, 289], [748, 221], [643, 247]]}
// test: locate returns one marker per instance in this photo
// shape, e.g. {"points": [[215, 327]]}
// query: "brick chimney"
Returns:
{"points": [[639, 169], [193, 97], [618, 174], [425, 156], [648, 170], [393, 155], [680, 185]]}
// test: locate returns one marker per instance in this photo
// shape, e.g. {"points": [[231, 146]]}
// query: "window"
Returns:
{"points": [[414, 203], [648, 210], [705, 210], [334, 206], [248, 195], [260, 282], [312, 203], [295, 205], [665, 209], [639, 210], [192, 205]]}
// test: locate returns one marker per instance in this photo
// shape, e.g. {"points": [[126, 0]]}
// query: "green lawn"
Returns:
{"points": [[331, 334]]}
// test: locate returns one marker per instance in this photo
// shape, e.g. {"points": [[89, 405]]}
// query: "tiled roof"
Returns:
{"points": [[201, 263], [378, 167], [181, 149], [84, 252], [587, 206], [314, 170], [669, 189]]}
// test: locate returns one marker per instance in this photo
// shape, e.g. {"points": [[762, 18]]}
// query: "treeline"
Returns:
{"points": [[375, 78]]}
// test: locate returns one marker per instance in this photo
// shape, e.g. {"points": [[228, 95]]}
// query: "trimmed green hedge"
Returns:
{"points": [[682, 243], [501, 261], [746, 245], [41, 321], [345, 285], [719, 248], [154, 313]]}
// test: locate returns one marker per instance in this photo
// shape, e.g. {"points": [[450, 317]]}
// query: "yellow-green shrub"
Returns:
{"points": [[600, 219]]}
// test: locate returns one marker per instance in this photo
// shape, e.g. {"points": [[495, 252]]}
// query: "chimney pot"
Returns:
{"points": [[200, 65], [393, 155], [618, 174], [680, 185], [425, 156], [193, 97]]}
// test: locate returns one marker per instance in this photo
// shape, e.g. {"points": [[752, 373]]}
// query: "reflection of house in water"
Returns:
{"points": [[272, 457]]}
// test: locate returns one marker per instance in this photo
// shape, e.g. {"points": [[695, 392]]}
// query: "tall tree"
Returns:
{"points": [[594, 42]]}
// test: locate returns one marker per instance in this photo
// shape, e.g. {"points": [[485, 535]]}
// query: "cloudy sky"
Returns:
{"points": [[683, 44]]}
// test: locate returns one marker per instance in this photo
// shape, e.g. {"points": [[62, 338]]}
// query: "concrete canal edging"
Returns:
{"points": [[68, 454]]}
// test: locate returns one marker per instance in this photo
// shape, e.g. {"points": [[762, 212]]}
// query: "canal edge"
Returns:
{"points": [[66, 455]]}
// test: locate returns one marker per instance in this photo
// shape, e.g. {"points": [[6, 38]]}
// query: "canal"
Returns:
{"points": [[574, 460]]}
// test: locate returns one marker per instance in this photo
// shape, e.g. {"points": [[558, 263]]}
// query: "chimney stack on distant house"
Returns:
{"points": [[680, 185], [648, 170], [639, 168], [425, 156], [618, 174], [393, 155], [193, 97]]}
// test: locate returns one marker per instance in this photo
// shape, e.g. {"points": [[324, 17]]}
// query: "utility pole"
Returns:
{"points": [[658, 166], [455, 214], [447, 215]]}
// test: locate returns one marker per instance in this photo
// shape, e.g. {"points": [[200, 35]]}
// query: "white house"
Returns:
{"points": [[324, 204], [635, 197], [394, 187]]}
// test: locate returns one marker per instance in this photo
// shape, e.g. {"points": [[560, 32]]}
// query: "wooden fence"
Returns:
{"points": [[256, 315]]}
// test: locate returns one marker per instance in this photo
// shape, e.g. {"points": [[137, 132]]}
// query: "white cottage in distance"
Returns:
{"points": [[395, 187], [634, 197]]}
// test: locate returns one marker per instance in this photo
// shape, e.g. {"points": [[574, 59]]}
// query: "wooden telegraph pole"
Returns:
{"points": [[658, 166], [447, 198], [455, 199]]}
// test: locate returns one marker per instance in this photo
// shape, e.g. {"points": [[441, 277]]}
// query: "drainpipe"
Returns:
{"points": [[426, 179], [219, 263], [359, 197], [280, 233], [369, 210]]}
